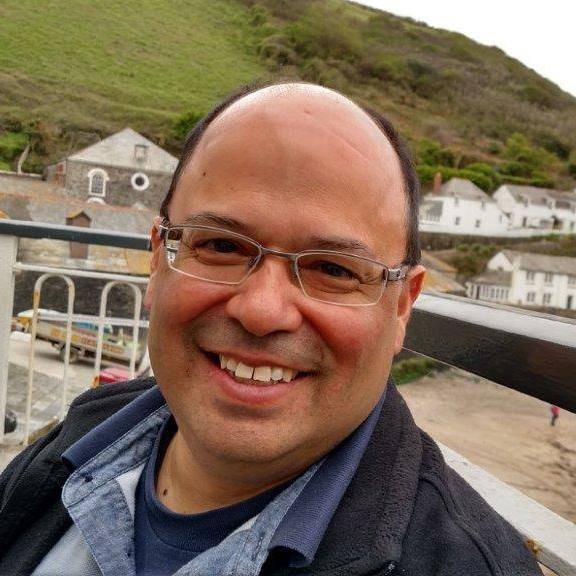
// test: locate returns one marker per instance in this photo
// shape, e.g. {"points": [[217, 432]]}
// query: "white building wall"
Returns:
{"points": [[500, 262], [470, 217]]}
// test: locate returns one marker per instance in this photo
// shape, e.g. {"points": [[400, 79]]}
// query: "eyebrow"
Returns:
{"points": [[213, 219], [340, 244], [334, 243]]}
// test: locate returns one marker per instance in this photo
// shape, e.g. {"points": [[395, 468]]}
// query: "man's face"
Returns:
{"points": [[295, 171]]}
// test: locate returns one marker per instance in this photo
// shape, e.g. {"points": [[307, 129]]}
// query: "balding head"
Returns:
{"points": [[311, 112]]}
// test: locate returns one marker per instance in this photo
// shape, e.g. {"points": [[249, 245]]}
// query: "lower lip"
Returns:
{"points": [[253, 394]]}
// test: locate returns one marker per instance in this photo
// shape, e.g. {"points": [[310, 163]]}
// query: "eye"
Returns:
{"points": [[334, 270], [221, 245]]}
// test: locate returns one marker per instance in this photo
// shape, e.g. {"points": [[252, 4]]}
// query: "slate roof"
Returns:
{"points": [[118, 150], [438, 282], [540, 196], [433, 262], [53, 209], [543, 262], [462, 188], [493, 277]]}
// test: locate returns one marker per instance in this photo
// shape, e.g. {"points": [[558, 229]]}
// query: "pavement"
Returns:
{"points": [[46, 389]]}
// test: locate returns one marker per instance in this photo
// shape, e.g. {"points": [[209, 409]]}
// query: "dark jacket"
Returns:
{"points": [[404, 513]]}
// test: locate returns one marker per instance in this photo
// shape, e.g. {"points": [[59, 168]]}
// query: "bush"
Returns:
{"points": [[12, 144], [324, 32], [405, 371], [432, 153], [185, 123]]}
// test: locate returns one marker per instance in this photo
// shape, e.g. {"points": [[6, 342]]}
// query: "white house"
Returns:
{"points": [[460, 207], [527, 279], [540, 209]]}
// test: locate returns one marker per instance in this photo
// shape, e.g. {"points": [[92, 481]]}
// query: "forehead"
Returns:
{"points": [[304, 155]]}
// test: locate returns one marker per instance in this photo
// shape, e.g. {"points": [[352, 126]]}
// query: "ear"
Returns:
{"points": [[411, 288], [155, 261]]}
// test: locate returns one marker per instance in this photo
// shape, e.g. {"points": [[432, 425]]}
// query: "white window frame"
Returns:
{"points": [[140, 187], [531, 297], [547, 299], [530, 277], [548, 278], [91, 175]]}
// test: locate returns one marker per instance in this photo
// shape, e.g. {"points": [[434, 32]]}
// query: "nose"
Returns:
{"points": [[267, 301]]}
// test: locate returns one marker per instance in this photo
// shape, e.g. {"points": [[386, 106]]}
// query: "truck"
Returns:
{"points": [[51, 327]]}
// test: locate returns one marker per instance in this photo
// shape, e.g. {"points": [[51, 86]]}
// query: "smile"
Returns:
{"points": [[258, 374]]}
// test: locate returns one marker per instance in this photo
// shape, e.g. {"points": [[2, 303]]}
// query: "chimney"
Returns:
{"points": [[78, 218], [141, 153], [437, 183]]}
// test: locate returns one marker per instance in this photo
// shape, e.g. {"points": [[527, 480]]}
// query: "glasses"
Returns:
{"points": [[225, 257]]}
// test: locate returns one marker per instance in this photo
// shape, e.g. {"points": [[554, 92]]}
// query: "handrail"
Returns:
{"points": [[25, 229], [527, 351]]}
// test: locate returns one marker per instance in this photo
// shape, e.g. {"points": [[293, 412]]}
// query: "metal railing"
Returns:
{"points": [[529, 352]]}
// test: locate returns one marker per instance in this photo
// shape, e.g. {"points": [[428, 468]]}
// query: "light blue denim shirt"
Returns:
{"points": [[100, 498]]}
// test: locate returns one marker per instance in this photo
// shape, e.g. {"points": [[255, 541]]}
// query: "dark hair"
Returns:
{"points": [[411, 182]]}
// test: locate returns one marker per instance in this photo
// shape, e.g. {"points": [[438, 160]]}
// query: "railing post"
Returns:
{"points": [[8, 251]]}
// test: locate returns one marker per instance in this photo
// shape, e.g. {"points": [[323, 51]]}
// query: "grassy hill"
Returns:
{"points": [[72, 72]]}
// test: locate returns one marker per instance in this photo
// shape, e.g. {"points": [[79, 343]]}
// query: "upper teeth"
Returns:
{"points": [[260, 373]]}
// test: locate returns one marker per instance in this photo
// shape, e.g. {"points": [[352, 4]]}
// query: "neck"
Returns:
{"points": [[187, 486]]}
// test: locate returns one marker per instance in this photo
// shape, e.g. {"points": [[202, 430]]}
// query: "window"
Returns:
{"points": [[456, 202], [530, 276], [477, 223], [97, 179], [500, 219], [531, 297], [547, 299], [457, 221], [140, 181], [548, 277], [571, 280], [483, 204]]}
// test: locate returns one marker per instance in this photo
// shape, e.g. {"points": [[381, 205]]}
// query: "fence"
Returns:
{"points": [[532, 353]]}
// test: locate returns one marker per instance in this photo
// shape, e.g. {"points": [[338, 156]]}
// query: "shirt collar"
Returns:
{"points": [[112, 428]]}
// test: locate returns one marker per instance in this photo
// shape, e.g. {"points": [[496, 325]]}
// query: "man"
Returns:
{"points": [[284, 269]]}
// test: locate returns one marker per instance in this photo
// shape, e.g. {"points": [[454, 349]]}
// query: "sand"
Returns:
{"points": [[503, 431]]}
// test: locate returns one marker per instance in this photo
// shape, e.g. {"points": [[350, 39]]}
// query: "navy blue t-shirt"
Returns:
{"points": [[163, 540]]}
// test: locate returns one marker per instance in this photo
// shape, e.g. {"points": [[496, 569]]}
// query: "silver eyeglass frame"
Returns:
{"points": [[389, 274]]}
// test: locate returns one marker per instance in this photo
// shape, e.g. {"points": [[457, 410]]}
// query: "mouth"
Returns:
{"points": [[260, 375]]}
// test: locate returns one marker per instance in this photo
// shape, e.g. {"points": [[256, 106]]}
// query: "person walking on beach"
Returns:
{"points": [[554, 413]]}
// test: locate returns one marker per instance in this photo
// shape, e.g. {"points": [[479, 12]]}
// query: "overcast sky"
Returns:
{"points": [[539, 34]]}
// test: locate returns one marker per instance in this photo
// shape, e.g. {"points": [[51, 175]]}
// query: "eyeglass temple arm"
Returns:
{"points": [[395, 274]]}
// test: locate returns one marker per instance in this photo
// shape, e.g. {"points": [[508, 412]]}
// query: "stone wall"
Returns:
{"points": [[87, 301], [436, 241], [119, 189]]}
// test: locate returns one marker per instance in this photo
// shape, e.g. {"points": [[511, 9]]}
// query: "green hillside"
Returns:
{"points": [[71, 72]]}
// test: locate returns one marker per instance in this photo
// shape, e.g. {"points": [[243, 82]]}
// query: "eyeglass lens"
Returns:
{"points": [[220, 256]]}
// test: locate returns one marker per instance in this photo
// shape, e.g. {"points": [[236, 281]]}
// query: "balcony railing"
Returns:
{"points": [[532, 353]]}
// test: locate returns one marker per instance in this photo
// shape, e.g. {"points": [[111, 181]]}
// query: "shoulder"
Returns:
{"points": [[86, 411], [454, 527]]}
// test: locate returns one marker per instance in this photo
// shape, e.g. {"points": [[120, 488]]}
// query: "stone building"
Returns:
{"points": [[124, 169]]}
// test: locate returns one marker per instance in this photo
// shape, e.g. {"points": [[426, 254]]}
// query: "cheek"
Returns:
{"points": [[178, 300], [355, 335]]}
